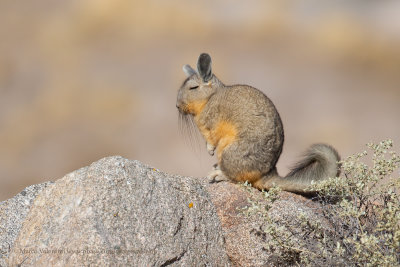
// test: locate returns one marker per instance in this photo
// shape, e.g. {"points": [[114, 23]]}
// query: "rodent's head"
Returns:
{"points": [[198, 87]]}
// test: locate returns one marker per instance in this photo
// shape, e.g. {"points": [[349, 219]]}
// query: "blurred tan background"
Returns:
{"points": [[85, 79]]}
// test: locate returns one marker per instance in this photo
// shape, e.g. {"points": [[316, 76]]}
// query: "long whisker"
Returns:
{"points": [[189, 131]]}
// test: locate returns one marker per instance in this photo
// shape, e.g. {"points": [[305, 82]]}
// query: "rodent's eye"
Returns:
{"points": [[194, 87]]}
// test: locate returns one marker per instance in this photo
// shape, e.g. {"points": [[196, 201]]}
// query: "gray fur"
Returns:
{"points": [[319, 160], [260, 129], [260, 136]]}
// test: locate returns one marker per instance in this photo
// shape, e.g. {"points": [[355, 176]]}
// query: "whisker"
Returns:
{"points": [[189, 131]]}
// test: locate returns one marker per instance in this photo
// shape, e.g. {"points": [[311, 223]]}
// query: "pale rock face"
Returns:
{"points": [[121, 212], [12, 214]]}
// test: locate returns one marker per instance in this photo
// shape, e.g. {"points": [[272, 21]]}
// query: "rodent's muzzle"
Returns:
{"points": [[179, 103], [181, 108]]}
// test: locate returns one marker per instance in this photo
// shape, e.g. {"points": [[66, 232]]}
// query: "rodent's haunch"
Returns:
{"points": [[243, 127]]}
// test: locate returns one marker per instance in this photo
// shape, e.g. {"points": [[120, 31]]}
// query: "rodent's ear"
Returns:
{"points": [[204, 67], [189, 71]]}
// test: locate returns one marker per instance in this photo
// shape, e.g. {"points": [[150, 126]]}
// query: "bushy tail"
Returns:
{"points": [[318, 163]]}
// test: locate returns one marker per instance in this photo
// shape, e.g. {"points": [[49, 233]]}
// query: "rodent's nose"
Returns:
{"points": [[178, 104]]}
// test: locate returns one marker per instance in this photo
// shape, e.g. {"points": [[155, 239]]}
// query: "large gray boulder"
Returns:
{"points": [[118, 212]]}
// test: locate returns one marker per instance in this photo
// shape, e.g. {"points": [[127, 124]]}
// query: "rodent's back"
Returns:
{"points": [[250, 109]]}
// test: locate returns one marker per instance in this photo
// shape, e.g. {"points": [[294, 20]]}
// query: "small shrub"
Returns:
{"points": [[360, 217]]}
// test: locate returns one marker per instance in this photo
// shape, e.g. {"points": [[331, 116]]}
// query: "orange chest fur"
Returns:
{"points": [[195, 107], [221, 135]]}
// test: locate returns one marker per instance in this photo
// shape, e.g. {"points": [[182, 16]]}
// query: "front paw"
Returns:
{"points": [[216, 167], [210, 149]]}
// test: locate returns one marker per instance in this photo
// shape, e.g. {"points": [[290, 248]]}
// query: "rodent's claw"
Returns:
{"points": [[210, 149]]}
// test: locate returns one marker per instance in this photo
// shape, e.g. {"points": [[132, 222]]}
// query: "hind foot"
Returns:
{"points": [[216, 176]]}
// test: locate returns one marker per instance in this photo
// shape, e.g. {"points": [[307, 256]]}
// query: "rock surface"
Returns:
{"points": [[244, 233], [12, 214], [121, 212]]}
